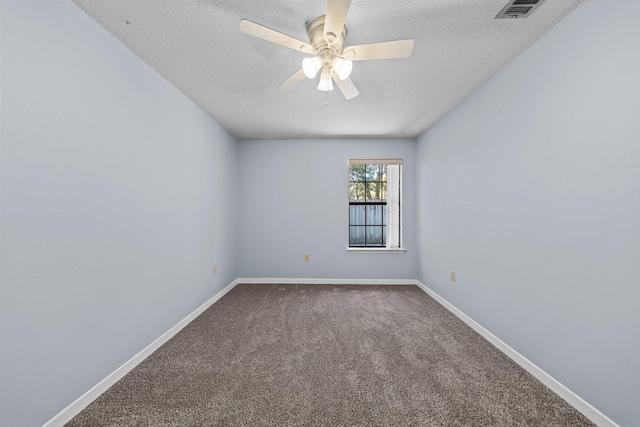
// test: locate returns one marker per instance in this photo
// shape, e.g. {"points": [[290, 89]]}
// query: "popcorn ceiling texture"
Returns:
{"points": [[319, 355], [198, 47]]}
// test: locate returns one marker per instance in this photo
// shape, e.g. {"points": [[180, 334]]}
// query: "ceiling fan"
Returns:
{"points": [[326, 41]]}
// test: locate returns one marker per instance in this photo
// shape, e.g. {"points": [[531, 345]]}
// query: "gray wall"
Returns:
{"points": [[116, 203], [530, 191], [293, 200]]}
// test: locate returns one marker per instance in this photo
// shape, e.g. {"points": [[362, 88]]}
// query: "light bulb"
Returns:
{"points": [[325, 84], [342, 67], [311, 66]]}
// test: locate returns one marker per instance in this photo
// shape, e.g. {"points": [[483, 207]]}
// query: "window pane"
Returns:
{"points": [[356, 236], [356, 214], [369, 185], [356, 191], [376, 172], [356, 172], [374, 214], [371, 171], [374, 236], [375, 190]]}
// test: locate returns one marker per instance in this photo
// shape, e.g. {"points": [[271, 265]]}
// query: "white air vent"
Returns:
{"points": [[519, 8]]}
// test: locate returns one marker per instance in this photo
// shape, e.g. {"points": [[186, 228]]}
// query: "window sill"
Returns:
{"points": [[376, 250]]}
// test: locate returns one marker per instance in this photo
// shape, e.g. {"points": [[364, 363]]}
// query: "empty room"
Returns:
{"points": [[319, 213]]}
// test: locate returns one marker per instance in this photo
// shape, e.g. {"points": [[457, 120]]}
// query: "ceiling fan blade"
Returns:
{"points": [[334, 19], [274, 36], [346, 86], [383, 50], [292, 81]]}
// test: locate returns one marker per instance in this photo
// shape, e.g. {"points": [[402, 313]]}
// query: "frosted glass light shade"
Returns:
{"points": [[342, 67], [325, 84], [311, 66]]}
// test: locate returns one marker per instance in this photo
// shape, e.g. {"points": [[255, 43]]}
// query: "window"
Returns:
{"points": [[374, 203]]}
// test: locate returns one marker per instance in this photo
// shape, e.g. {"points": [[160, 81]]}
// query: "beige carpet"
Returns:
{"points": [[324, 355]]}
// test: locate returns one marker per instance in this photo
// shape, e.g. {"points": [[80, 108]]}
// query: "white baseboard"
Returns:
{"points": [[307, 281], [570, 397], [83, 401]]}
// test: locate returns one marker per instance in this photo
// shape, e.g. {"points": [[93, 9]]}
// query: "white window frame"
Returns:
{"points": [[386, 249]]}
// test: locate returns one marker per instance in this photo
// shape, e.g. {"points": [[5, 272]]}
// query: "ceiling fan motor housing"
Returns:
{"points": [[325, 51]]}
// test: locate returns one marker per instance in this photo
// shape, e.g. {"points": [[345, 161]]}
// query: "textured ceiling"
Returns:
{"points": [[198, 47]]}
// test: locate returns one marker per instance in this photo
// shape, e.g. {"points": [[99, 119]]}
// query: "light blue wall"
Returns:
{"points": [[293, 200], [116, 202], [530, 191]]}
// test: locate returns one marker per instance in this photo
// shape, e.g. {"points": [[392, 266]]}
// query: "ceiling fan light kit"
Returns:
{"points": [[325, 83], [311, 66], [342, 67], [326, 40]]}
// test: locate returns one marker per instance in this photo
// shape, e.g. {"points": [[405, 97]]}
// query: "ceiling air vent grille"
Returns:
{"points": [[519, 8]]}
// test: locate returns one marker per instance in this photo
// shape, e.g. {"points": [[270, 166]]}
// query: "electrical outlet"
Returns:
{"points": [[306, 258], [215, 269], [452, 275]]}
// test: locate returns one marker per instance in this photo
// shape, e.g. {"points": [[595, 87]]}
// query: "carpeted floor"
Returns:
{"points": [[323, 355]]}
